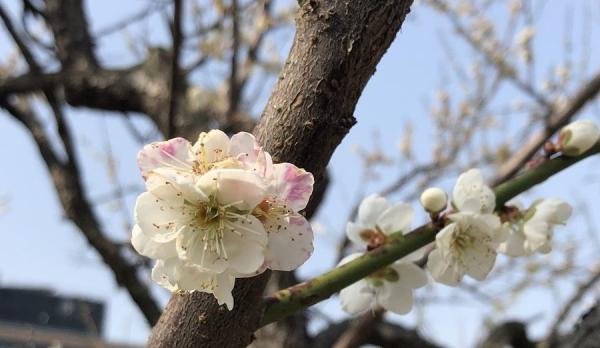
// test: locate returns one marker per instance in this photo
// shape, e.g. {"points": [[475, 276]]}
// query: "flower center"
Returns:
{"points": [[272, 215], [211, 221], [374, 237]]}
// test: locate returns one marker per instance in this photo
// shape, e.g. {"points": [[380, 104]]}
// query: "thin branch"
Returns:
{"points": [[234, 90], [555, 120], [66, 178], [360, 329], [552, 339], [298, 297], [175, 70]]}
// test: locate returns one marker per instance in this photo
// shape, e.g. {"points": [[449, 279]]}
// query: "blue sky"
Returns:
{"points": [[40, 248]]}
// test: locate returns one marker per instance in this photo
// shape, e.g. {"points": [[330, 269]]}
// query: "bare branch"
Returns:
{"points": [[67, 181], [552, 339], [175, 70], [554, 121]]}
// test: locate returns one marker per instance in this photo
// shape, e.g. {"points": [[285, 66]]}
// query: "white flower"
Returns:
{"points": [[532, 231], [578, 137], [390, 287], [377, 219], [206, 220], [468, 244], [219, 210], [434, 200]]}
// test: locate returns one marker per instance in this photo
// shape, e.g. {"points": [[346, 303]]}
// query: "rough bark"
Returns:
{"points": [[335, 51]]}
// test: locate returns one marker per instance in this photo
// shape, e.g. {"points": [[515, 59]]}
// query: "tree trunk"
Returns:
{"points": [[335, 51]]}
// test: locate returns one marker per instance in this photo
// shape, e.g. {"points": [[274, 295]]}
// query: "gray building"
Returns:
{"points": [[34, 318]]}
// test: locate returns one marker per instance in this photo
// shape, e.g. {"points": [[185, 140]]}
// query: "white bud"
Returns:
{"points": [[434, 200], [578, 137]]}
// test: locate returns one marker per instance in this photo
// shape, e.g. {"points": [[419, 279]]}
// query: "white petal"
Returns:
{"points": [[212, 146], [395, 297], [191, 248], [370, 209], [246, 245], [292, 185], [354, 231], [514, 245], [553, 211], [479, 261], [441, 271], [291, 245], [471, 194], [159, 219], [396, 218], [170, 184], [538, 234], [163, 273], [222, 292], [173, 153], [147, 247], [410, 275], [444, 238], [356, 298], [237, 187]]}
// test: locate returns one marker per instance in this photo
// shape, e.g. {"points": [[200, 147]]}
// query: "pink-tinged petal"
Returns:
{"points": [[243, 145], [240, 188], [292, 185], [290, 243], [174, 153]]}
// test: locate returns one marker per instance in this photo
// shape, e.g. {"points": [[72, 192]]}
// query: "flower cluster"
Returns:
{"points": [[468, 244], [392, 286], [219, 210]]}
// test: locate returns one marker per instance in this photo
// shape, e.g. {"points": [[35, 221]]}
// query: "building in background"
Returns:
{"points": [[36, 318]]}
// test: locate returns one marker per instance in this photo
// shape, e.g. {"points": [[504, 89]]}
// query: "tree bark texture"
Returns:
{"points": [[335, 51]]}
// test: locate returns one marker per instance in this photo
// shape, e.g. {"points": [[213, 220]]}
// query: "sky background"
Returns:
{"points": [[40, 248]]}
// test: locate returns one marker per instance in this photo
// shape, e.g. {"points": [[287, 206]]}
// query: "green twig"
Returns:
{"points": [[308, 293]]}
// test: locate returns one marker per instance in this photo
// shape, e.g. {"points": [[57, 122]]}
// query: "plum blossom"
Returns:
{"points": [[531, 231], [578, 137], [377, 219], [206, 221], [467, 245], [390, 288], [219, 210]]}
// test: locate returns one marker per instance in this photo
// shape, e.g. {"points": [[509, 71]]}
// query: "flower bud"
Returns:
{"points": [[434, 200], [578, 137]]}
